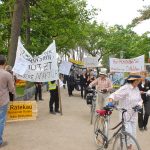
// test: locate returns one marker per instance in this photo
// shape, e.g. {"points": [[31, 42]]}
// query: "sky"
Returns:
{"points": [[120, 12]]}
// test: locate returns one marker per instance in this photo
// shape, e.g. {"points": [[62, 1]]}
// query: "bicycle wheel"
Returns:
{"points": [[125, 141], [100, 129]]}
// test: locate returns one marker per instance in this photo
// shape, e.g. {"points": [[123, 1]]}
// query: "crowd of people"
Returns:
{"points": [[133, 92]]}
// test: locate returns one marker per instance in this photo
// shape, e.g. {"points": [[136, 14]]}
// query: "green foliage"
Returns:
{"points": [[20, 91], [69, 23]]}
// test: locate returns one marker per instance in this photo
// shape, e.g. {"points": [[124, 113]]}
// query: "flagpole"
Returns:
{"points": [[59, 95]]}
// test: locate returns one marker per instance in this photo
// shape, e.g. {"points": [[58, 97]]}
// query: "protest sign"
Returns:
{"points": [[64, 67], [40, 68], [21, 110], [127, 65], [91, 62]]}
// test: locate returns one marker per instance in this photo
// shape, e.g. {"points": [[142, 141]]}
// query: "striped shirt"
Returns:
{"points": [[128, 97], [102, 83]]}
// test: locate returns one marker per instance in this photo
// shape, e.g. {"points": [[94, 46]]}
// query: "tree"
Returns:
{"points": [[15, 30]]}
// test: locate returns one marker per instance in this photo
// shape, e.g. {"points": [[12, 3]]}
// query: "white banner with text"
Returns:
{"points": [[127, 65], [40, 68], [91, 62]]}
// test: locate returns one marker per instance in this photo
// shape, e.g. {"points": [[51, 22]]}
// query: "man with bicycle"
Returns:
{"points": [[104, 86]]}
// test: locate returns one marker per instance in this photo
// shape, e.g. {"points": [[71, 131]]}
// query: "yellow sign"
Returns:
{"points": [[21, 110], [77, 62]]}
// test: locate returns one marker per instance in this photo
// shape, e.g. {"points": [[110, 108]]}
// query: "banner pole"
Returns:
{"points": [[59, 95]]}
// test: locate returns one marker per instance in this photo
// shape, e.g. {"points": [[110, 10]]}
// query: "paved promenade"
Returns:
{"points": [[71, 131]]}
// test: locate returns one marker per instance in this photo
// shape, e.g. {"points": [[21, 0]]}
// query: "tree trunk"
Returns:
{"points": [[27, 8], [15, 30]]}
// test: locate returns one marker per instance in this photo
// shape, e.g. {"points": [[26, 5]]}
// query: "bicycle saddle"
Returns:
{"points": [[103, 112]]}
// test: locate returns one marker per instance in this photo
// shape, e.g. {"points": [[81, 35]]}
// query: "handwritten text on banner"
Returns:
{"points": [[40, 68], [127, 65]]}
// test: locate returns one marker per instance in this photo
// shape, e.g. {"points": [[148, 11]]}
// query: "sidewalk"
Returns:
{"points": [[71, 131]]}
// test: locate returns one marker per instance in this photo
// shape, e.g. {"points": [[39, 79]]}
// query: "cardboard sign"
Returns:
{"points": [[21, 110], [64, 67]]}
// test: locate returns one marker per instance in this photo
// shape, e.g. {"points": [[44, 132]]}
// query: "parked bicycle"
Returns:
{"points": [[122, 138], [91, 100]]}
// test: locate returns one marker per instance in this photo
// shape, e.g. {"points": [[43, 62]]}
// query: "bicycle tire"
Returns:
{"points": [[100, 131], [122, 142]]}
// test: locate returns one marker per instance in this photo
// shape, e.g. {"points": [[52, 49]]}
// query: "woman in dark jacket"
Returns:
{"points": [[83, 80], [143, 117], [70, 83]]}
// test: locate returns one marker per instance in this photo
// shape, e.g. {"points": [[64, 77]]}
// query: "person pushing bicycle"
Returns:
{"points": [[103, 86], [128, 96]]}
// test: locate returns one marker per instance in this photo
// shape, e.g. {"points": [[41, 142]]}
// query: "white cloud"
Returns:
{"points": [[118, 11], [143, 27]]}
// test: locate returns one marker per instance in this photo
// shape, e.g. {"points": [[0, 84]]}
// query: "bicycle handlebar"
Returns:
{"points": [[136, 108]]}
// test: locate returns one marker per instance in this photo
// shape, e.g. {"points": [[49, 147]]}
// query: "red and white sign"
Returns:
{"points": [[127, 65]]}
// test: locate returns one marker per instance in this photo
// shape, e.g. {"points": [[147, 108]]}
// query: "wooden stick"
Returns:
{"points": [[59, 95]]}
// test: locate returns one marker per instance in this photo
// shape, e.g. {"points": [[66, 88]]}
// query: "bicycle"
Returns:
{"points": [[122, 138], [91, 100]]}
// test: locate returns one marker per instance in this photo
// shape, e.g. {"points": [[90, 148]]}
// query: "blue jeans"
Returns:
{"points": [[3, 111]]}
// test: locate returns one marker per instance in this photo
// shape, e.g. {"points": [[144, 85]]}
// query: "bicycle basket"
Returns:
{"points": [[89, 98]]}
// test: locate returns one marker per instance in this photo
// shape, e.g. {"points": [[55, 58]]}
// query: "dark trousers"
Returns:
{"points": [[143, 117], [54, 100], [83, 93], [38, 92], [70, 89], [11, 96]]}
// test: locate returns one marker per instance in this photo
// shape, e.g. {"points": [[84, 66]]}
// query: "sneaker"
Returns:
{"points": [[4, 144], [145, 128]]}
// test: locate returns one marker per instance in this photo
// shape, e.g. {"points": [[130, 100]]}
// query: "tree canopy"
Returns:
{"points": [[71, 25]]}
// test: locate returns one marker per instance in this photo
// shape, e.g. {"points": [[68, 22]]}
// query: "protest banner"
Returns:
{"points": [[65, 67], [90, 62], [127, 65], [40, 68], [21, 110]]}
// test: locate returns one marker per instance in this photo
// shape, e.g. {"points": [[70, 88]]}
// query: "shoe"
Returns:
{"points": [[4, 144], [141, 129], [57, 111], [52, 112], [145, 128]]}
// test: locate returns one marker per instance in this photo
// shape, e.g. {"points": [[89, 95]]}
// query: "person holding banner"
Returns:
{"points": [[104, 86], [54, 99], [6, 86]]}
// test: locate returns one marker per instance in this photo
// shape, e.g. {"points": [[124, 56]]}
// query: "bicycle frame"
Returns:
{"points": [[121, 129]]}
